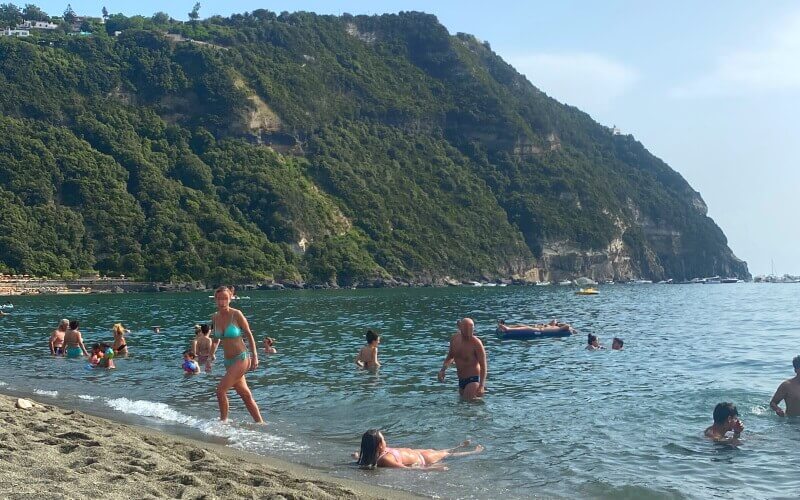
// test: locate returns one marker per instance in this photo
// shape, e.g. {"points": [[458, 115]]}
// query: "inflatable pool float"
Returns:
{"points": [[536, 333]]}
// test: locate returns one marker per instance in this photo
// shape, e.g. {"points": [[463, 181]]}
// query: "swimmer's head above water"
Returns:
{"points": [[373, 337], [796, 364]]}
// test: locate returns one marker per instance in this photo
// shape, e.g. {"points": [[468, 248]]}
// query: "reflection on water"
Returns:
{"points": [[557, 420]]}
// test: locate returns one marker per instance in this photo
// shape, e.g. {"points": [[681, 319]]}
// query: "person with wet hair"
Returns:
{"points": [[375, 453], [726, 427], [367, 357], [57, 338], [617, 344], [593, 343]]}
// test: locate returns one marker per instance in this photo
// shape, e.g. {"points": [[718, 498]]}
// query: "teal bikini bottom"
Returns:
{"points": [[228, 362], [74, 351]]}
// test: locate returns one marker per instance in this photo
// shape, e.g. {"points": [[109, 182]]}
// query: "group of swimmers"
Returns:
{"points": [[67, 340], [727, 426], [465, 350]]}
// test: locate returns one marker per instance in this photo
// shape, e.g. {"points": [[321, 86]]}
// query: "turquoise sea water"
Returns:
{"points": [[558, 421]]}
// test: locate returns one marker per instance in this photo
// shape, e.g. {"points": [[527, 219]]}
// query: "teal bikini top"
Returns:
{"points": [[232, 331]]}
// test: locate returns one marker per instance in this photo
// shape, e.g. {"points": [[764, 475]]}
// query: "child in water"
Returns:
{"points": [[203, 346], [368, 355], [189, 365], [269, 346], [375, 453], [102, 355]]}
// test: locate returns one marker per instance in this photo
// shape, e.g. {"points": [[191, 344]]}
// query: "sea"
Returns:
{"points": [[557, 421]]}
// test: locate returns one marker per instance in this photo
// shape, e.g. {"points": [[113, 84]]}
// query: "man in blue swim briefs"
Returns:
{"points": [[470, 357]]}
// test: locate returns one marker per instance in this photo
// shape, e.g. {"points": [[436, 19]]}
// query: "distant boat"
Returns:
{"points": [[713, 280], [587, 291], [565, 282], [488, 284], [542, 283], [731, 280], [585, 282], [8, 306], [472, 283], [640, 282], [609, 282], [502, 284]]}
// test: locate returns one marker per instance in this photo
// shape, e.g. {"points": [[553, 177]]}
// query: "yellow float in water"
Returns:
{"points": [[587, 291]]}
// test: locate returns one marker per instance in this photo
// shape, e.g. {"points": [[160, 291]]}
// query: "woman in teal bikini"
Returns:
{"points": [[74, 342], [230, 323]]}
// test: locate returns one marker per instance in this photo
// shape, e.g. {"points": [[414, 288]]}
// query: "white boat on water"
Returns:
{"points": [[640, 282], [542, 283], [731, 280], [472, 283], [565, 282], [489, 284], [7, 306], [713, 280]]}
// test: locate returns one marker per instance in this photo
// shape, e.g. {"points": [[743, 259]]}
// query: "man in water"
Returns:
{"points": [[789, 392], [57, 338], [470, 357], [726, 419]]}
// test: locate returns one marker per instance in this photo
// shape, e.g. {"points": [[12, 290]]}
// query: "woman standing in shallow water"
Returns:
{"points": [[230, 324]]}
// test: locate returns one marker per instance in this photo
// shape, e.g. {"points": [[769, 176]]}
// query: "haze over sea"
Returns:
{"points": [[557, 420]]}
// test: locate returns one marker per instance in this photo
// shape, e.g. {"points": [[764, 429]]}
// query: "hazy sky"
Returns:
{"points": [[712, 87]]}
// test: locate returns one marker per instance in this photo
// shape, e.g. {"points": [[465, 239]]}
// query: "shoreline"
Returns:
{"points": [[50, 448]]}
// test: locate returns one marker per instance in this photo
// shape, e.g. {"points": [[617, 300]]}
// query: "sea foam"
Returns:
{"points": [[42, 392], [251, 439]]}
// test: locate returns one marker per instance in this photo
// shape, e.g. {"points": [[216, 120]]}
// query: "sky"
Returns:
{"points": [[712, 88]]}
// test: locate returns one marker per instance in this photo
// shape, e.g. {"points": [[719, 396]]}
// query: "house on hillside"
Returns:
{"points": [[36, 25], [16, 32]]}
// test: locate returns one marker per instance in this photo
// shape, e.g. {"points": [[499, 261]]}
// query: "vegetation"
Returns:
{"points": [[328, 149]]}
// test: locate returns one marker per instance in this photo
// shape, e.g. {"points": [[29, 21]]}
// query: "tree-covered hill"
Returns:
{"points": [[327, 149]]}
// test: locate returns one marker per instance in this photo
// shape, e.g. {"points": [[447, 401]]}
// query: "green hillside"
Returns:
{"points": [[324, 149]]}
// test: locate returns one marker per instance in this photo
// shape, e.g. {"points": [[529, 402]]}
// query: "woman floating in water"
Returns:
{"points": [[375, 453], [553, 325], [231, 323]]}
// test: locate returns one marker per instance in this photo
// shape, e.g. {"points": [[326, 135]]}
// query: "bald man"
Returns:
{"points": [[470, 357]]}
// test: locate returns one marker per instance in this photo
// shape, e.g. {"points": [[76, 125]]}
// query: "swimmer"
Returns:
{"points": [[269, 346], [617, 344], [73, 341], [120, 345], [367, 357], [57, 338], [189, 365], [375, 453], [204, 347], [107, 357], [156, 329], [726, 420], [788, 392], [469, 355], [593, 343], [234, 328]]}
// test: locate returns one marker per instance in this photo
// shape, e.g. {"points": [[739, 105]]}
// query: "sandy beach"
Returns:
{"points": [[62, 453]]}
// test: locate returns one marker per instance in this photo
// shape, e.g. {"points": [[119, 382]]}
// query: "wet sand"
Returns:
{"points": [[61, 453]]}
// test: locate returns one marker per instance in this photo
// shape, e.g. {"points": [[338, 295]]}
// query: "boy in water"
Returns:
{"points": [[368, 355], [788, 392], [203, 347], [617, 344], [189, 365], [269, 346], [726, 419]]}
